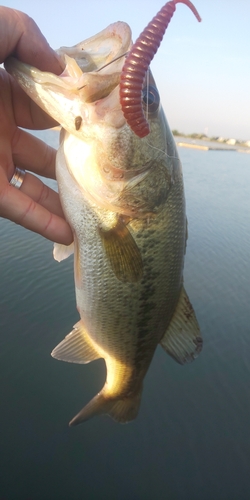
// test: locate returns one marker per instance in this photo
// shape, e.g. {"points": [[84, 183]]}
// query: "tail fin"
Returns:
{"points": [[121, 410]]}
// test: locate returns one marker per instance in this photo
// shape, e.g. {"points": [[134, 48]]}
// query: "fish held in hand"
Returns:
{"points": [[123, 197]]}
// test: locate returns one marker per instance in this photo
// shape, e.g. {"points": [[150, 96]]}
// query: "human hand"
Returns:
{"points": [[34, 206]]}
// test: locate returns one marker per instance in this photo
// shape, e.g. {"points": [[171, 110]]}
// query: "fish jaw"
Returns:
{"points": [[63, 101], [49, 92], [85, 87]]}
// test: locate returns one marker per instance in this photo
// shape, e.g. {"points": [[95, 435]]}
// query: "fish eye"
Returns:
{"points": [[150, 98]]}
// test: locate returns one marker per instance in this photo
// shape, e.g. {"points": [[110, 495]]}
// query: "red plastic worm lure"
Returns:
{"points": [[137, 63]]}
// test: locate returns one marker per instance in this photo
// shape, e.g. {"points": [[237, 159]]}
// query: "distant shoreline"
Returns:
{"points": [[201, 141], [209, 145]]}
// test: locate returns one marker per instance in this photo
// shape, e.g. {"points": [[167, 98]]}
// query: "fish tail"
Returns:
{"points": [[121, 410], [126, 409], [98, 405]]}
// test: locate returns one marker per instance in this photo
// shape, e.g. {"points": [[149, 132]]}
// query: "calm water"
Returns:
{"points": [[191, 440]]}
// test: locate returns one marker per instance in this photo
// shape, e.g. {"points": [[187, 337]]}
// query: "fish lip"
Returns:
{"points": [[16, 67], [11, 63]]}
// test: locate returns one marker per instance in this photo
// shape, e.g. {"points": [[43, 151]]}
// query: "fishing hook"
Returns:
{"points": [[105, 65]]}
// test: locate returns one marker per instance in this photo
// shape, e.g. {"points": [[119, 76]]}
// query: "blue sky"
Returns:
{"points": [[202, 69]]}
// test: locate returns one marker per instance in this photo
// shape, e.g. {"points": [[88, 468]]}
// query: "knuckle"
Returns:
{"points": [[43, 195], [27, 213], [49, 156], [48, 223]]}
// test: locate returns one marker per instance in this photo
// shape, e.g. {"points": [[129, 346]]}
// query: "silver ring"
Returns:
{"points": [[17, 178]]}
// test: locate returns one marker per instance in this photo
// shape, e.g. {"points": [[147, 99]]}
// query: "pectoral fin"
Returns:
{"points": [[123, 253], [76, 347], [62, 252], [182, 339]]}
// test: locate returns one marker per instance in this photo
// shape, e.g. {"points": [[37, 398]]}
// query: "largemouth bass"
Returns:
{"points": [[123, 197]]}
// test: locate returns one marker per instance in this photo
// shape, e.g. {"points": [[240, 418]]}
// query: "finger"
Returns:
{"points": [[21, 209], [21, 36], [30, 153], [42, 194], [17, 107]]}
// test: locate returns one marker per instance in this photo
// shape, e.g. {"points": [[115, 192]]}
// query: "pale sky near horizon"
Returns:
{"points": [[202, 69]]}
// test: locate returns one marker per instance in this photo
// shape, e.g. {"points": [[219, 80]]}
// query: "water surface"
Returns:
{"points": [[191, 440]]}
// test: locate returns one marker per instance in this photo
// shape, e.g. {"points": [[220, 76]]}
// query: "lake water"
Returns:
{"points": [[191, 440]]}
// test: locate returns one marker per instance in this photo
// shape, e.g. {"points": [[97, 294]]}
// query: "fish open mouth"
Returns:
{"points": [[92, 67], [91, 72]]}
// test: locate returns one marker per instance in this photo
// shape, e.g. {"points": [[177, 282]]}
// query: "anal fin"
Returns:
{"points": [[122, 251], [76, 347], [182, 339]]}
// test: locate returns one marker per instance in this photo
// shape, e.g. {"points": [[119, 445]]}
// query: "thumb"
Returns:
{"points": [[19, 35]]}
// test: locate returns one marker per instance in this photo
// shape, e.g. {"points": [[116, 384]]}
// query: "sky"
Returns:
{"points": [[202, 70]]}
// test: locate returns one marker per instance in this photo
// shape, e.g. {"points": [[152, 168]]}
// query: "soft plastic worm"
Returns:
{"points": [[137, 63]]}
